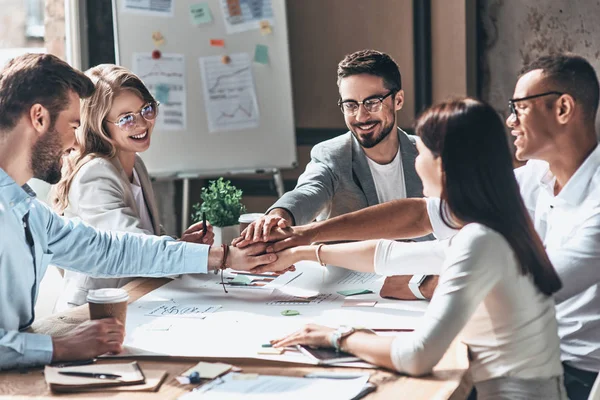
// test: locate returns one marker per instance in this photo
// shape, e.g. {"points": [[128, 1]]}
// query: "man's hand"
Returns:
{"points": [[249, 257], [285, 262], [89, 340], [396, 287], [195, 234], [260, 229]]}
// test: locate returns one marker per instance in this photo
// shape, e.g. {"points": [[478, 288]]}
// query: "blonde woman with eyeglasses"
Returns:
{"points": [[104, 181]]}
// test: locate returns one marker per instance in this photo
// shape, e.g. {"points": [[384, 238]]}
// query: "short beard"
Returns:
{"points": [[370, 143], [46, 157]]}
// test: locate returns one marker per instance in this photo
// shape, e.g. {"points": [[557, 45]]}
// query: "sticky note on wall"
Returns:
{"points": [[200, 14], [261, 54], [161, 92]]}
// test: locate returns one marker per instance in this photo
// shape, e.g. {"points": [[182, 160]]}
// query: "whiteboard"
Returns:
{"points": [[266, 137]]}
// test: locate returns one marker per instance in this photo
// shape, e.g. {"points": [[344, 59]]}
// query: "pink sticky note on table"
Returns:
{"points": [[358, 303], [217, 42]]}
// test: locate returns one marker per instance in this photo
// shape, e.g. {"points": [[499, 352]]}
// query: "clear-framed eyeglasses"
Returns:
{"points": [[372, 104], [129, 121]]}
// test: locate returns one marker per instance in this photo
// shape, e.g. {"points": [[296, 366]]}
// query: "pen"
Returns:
{"points": [[203, 224], [74, 363], [90, 375]]}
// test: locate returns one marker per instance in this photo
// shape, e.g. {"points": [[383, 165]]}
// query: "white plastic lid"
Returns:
{"points": [[108, 295], [249, 218]]}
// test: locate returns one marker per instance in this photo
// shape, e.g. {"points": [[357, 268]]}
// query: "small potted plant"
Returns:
{"points": [[221, 201]]}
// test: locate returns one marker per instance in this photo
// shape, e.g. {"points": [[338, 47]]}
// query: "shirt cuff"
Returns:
{"points": [[37, 349], [440, 229], [196, 257]]}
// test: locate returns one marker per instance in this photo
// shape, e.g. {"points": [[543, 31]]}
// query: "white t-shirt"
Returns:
{"points": [[389, 179], [569, 226], [138, 195], [508, 324]]}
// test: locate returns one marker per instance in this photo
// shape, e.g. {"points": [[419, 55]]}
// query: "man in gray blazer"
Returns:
{"points": [[372, 163]]}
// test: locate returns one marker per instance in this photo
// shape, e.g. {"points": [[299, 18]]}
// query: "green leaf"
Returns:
{"points": [[221, 201]]}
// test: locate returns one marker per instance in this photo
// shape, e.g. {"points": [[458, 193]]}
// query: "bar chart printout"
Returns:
{"points": [[229, 93]]}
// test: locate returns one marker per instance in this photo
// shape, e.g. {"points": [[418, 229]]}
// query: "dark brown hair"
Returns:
{"points": [[572, 74], [38, 79], [480, 184], [371, 62]]}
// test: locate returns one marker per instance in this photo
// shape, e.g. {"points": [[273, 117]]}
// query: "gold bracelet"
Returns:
{"points": [[318, 251]]}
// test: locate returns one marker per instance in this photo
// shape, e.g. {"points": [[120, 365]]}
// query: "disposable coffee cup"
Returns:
{"points": [[247, 219], [108, 303]]}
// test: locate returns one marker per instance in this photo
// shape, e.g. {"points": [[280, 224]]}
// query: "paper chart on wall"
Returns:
{"points": [[156, 8], [165, 78], [229, 93], [245, 15]]}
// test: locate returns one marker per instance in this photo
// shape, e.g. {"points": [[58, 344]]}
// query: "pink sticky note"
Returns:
{"points": [[358, 303]]}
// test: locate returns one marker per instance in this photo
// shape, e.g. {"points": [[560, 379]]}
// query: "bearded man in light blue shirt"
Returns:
{"points": [[39, 113]]}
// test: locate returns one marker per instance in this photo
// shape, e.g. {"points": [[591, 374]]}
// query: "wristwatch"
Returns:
{"points": [[340, 333], [414, 285]]}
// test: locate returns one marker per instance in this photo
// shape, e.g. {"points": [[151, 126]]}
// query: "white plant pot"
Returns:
{"points": [[225, 234]]}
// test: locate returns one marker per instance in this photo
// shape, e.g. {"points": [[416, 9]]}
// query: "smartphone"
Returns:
{"points": [[327, 356]]}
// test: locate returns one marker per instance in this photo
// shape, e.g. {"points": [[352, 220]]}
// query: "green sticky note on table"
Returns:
{"points": [[290, 313], [354, 292], [162, 93], [261, 54], [241, 280], [200, 14]]}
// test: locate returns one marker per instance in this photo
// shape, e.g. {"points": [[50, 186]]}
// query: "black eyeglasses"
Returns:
{"points": [[512, 102], [372, 104], [128, 122]]}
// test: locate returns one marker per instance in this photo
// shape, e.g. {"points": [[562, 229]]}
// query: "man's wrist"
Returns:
{"points": [[429, 285], [215, 257]]}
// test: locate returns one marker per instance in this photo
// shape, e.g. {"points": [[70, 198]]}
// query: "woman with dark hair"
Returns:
{"points": [[496, 280]]}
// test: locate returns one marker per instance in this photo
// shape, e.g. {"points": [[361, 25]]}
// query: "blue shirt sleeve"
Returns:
{"points": [[21, 349], [80, 247]]}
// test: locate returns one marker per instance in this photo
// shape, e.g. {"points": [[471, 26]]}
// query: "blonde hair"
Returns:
{"points": [[92, 137]]}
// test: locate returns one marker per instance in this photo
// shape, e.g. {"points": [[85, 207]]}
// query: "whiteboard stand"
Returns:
{"points": [[185, 204]]}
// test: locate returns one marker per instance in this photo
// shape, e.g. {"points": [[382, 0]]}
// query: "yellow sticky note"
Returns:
{"points": [[158, 38], [208, 370], [244, 377], [265, 27], [271, 351]]}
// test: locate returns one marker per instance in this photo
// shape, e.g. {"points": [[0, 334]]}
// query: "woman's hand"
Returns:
{"points": [[311, 335], [195, 234]]}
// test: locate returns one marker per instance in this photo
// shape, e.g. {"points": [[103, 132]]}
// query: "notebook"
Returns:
{"points": [[131, 374]]}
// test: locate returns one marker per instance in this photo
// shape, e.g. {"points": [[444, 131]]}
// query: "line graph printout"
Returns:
{"points": [[229, 93], [245, 15], [165, 78]]}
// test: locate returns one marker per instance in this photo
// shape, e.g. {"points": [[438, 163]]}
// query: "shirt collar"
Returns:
{"points": [[18, 198], [574, 191]]}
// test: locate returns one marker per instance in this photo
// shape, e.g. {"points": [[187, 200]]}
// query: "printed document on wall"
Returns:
{"points": [[165, 78], [156, 8], [229, 93], [245, 15]]}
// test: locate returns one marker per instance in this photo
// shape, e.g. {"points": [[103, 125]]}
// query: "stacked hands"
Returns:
{"points": [[286, 243]]}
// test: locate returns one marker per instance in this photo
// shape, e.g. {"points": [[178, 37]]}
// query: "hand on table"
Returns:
{"points": [[195, 234], [89, 340], [311, 335]]}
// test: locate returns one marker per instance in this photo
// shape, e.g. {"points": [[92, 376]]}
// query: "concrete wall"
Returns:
{"points": [[514, 32]]}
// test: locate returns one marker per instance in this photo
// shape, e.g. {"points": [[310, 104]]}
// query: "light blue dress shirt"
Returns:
{"points": [[70, 244]]}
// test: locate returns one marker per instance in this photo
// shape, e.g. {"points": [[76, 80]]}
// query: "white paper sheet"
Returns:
{"points": [[245, 322], [156, 8], [266, 387], [166, 73], [252, 12], [229, 93]]}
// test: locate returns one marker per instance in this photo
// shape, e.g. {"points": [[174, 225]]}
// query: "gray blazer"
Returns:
{"points": [[338, 180], [101, 196]]}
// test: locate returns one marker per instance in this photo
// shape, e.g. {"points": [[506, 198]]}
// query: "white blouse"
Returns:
{"points": [[507, 323]]}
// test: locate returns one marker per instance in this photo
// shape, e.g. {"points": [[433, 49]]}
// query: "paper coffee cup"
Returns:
{"points": [[247, 219], [108, 303]]}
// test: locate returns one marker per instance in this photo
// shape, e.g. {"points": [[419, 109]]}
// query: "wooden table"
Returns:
{"points": [[450, 378]]}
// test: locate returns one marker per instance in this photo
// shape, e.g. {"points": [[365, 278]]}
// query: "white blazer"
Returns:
{"points": [[101, 196]]}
